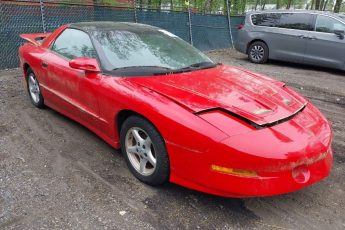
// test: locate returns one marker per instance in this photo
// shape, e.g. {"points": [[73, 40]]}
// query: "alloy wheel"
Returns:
{"points": [[257, 53], [34, 88], [140, 151]]}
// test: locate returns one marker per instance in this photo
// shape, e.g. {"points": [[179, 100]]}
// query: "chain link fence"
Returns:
{"points": [[206, 32]]}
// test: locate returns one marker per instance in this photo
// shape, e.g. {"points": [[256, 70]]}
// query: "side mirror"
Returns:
{"points": [[339, 33], [87, 64]]}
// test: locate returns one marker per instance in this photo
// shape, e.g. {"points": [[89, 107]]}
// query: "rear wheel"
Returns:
{"points": [[258, 52], [34, 89], [144, 150]]}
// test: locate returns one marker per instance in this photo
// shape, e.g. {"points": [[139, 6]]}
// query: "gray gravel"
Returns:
{"points": [[56, 174]]}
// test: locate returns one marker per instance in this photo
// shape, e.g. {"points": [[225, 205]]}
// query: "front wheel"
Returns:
{"points": [[144, 150], [258, 52]]}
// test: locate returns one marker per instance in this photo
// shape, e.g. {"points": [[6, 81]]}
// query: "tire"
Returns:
{"points": [[149, 164], [34, 89], [258, 52]]}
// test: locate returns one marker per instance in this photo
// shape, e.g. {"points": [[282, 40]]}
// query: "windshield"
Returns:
{"points": [[155, 51]]}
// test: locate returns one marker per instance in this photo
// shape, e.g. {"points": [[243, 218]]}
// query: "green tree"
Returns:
{"points": [[337, 6]]}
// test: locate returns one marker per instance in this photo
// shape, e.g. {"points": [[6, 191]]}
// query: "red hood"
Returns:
{"points": [[254, 97]]}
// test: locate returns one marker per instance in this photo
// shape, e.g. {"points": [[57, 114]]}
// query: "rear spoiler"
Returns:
{"points": [[35, 39]]}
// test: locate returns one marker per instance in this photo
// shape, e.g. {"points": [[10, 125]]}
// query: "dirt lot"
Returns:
{"points": [[54, 173]]}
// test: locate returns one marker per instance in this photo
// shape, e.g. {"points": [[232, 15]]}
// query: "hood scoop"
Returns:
{"points": [[249, 122]]}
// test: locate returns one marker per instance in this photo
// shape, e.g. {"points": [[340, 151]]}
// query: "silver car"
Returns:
{"points": [[309, 37]]}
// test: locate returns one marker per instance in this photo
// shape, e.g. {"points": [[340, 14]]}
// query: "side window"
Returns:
{"points": [[74, 43], [297, 21], [270, 19], [328, 25]]}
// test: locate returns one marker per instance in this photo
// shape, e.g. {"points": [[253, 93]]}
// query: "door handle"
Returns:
{"points": [[312, 38], [302, 36], [44, 64]]}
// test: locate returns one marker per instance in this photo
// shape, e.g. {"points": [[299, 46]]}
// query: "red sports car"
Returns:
{"points": [[176, 115]]}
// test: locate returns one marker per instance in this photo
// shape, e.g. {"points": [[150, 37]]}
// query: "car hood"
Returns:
{"points": [[253, 97]]}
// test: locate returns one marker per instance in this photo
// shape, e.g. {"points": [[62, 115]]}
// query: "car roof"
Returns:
{"points": [[297, 11], [109, 25]]}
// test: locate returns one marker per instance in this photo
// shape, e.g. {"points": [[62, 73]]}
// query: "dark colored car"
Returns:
{"points": [[308, 37]]}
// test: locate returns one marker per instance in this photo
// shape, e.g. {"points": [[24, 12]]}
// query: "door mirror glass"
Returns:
{"points": [[87, 64], [339, 33]]}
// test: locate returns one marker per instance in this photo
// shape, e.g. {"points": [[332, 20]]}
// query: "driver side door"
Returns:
{"points": [[73, 91]]}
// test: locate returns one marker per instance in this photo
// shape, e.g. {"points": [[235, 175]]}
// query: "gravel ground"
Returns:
{"points": [[56, 174]]}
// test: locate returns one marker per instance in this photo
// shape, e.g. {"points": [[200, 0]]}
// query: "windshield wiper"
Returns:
{"points": [[195, 66], [200, 65], [142, 66], [159, 70], [205, 64]]}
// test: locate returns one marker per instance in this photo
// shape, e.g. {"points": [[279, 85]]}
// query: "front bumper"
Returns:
{"points": [[286, 157], [269, 184]]}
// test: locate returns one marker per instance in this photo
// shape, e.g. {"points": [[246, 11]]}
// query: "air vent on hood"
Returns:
{"points": [[249, 122]]}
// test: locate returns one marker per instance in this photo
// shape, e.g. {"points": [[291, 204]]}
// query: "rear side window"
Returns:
{"points": [[328, 25], [297, 21], [270, 20], [74, 43]]}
